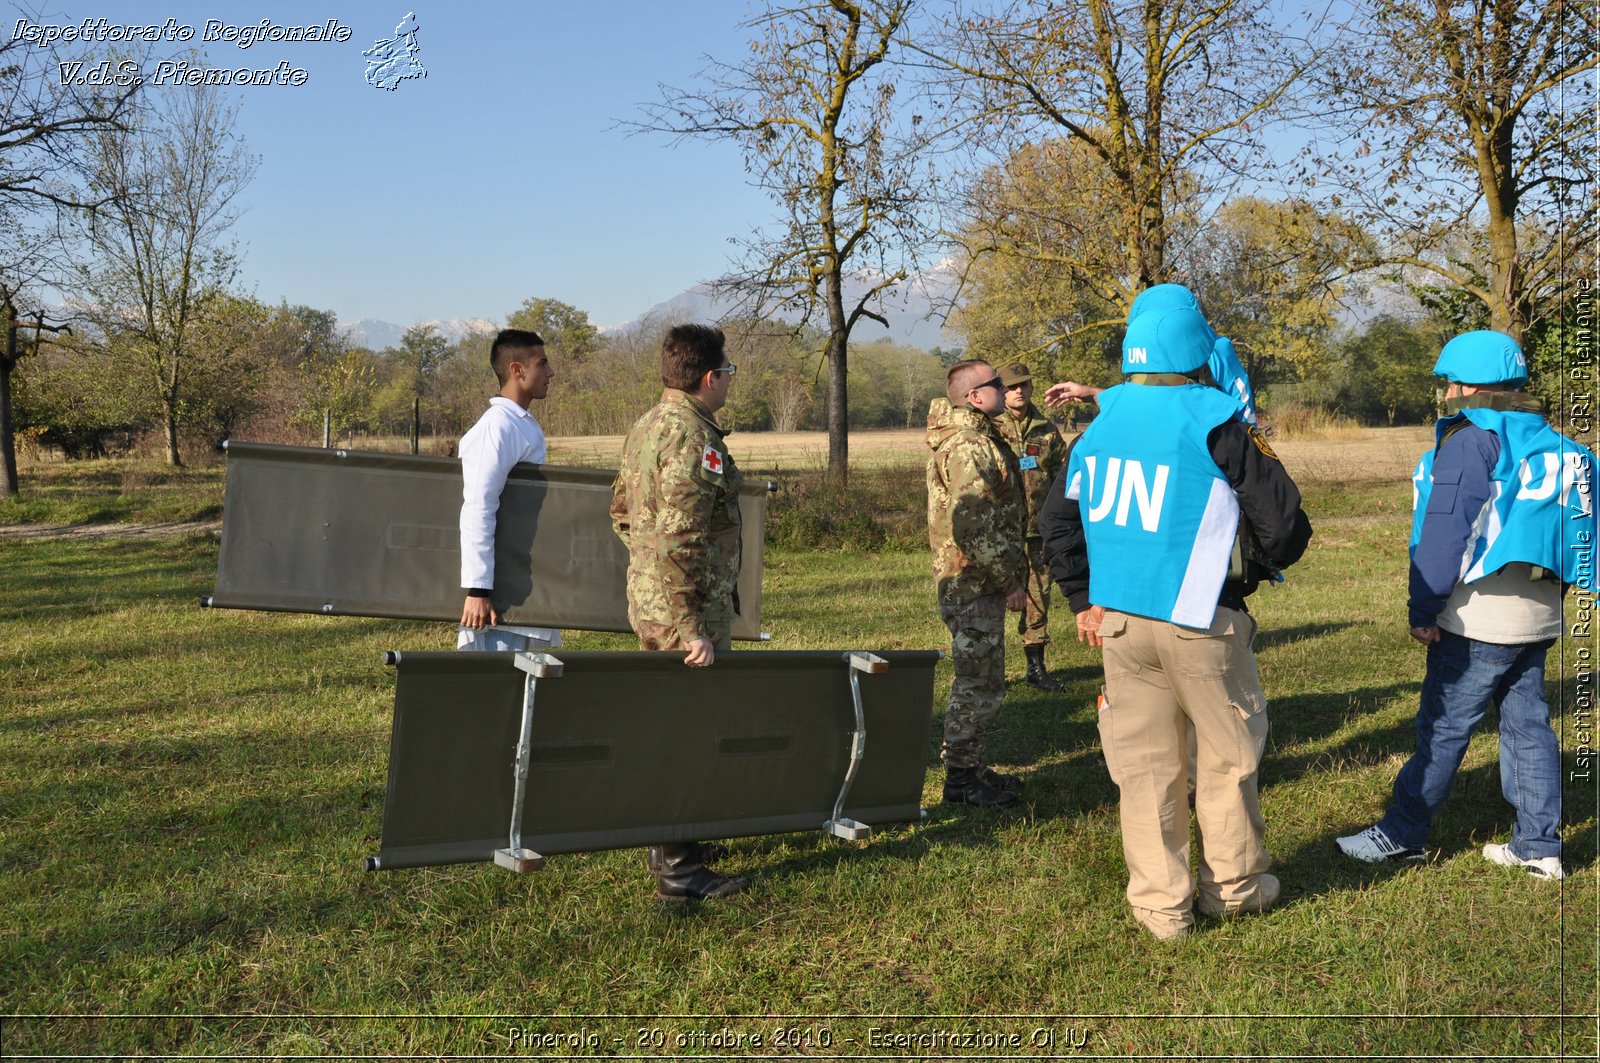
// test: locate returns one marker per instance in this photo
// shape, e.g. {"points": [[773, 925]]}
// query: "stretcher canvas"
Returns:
{"points": [[634, 748], [354, 533]]}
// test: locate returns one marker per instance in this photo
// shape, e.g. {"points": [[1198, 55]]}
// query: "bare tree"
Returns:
{"points": [[1469, 139], [160, 256], [813, 110], [46, 125]]}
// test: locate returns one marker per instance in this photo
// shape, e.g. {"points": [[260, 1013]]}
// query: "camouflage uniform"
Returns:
{"points": [[1041, 455], [975, 528], [675, 505]]}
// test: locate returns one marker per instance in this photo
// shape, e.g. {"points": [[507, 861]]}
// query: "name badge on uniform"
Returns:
{"points": [[711, 460], [1029, 462]]}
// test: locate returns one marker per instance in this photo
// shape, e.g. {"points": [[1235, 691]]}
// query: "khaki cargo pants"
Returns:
{"points": [[1176, 696]]}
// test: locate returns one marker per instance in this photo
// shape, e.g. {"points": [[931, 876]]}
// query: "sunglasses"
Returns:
{"points": [[994, 382], [730, 369]]}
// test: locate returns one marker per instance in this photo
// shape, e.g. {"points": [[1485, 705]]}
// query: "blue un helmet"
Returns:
{"points": [[1482, 357], [1176, 340], [1162, 297]]}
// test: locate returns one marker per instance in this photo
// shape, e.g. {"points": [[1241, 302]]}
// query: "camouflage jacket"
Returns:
{"points": [[975, 506], [1034, 436], [675, 505]]}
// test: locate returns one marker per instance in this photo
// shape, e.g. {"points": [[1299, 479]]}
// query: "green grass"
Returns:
{"points": [[186, 797], [114, 490]]}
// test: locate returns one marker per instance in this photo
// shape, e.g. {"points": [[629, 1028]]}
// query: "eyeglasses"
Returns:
{"points": [[730, 369], [996, 382]]}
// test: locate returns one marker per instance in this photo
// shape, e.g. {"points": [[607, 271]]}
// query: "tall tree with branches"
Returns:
{"points": [[1168, 97], [47, 125], [812, 109], [1469, 144], [161, 255]]}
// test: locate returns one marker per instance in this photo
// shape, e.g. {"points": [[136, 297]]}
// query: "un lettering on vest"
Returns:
{"points": [[1563, 471], [1138, 356], [1124, 486]]}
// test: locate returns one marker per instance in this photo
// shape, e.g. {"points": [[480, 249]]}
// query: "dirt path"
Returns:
{"points": [[83, 532]]}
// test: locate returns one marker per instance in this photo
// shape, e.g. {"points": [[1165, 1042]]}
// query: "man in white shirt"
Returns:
{"points": [[506, 434]]}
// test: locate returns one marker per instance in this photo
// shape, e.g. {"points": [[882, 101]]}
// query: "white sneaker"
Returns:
{"points": [[1373, 846], [1542, 867]]}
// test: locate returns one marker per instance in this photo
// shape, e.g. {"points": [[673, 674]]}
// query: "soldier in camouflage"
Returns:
{"points": [[1041, 455], [675, 505], [975, 529]]}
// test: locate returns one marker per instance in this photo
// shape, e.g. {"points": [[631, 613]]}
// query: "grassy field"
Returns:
{"points": [[186, 797]]}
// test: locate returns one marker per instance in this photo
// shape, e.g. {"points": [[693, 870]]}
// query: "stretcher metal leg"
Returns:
{"points": [[838, 825], [514, 857]]}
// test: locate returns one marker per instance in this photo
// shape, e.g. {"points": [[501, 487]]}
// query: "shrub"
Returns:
{"points": [[1310, 422], [884, 506]]}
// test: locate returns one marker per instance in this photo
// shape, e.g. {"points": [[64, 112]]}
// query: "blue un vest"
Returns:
{"points": [[1541, 501], [1229, 374], [1159, 517]]}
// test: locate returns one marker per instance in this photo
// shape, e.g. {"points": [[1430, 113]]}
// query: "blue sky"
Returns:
{"points": [[497, 177]]}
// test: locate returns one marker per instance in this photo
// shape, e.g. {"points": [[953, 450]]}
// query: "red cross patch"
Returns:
{"points": [[711, 460]]}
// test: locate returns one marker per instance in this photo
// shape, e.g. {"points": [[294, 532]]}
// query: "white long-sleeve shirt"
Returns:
{"points": [[503, 436]]}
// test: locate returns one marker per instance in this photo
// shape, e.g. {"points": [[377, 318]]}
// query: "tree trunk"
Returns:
{"points": [[1507, 312], [9, 484], [838, 411], [169, 420], [838, 350]]}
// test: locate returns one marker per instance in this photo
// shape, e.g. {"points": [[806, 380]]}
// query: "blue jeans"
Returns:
{"points": [[1464, 677]]}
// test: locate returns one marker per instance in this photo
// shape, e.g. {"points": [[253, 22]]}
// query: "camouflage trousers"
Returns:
{"points": [[1033, 623], [654, 636], [978, 650]]}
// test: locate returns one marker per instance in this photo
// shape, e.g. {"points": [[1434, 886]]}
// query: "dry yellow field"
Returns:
{"points": [[1373, 454]]}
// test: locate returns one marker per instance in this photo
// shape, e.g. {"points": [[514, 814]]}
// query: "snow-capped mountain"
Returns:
{"points": [[914, 309], [375, 334]]}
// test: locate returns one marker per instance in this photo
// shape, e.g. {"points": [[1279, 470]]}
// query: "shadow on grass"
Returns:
{"points": [[1308, 719], [1475, 813], [1267, 638], [119, 700], [101, 575]]}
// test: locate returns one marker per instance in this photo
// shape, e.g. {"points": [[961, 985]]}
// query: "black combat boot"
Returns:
{"points": [[997, 780], [707, 851], [1037, 676], [683, 876], [966, 786]]}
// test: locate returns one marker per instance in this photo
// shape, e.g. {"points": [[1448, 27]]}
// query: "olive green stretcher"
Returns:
{"points": [[511, 757], [353, 533]]}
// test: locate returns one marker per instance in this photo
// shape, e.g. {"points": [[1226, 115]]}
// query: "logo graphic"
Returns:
{"points": [[393, 61], [1135, 489]]}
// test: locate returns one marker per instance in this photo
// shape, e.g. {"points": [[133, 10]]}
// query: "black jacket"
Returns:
{"points": [[1269, 507]]}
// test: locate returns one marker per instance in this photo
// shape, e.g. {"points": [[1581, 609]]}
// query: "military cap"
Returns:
{"points": [[1014, 374]]}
